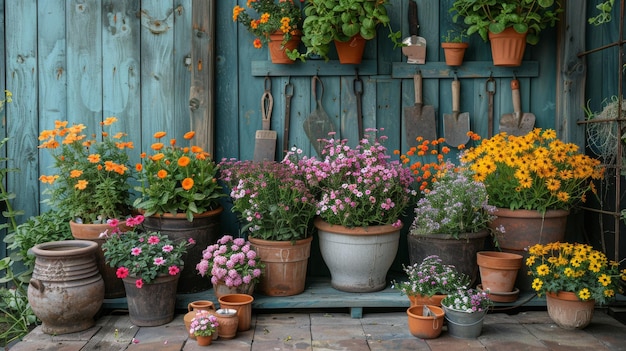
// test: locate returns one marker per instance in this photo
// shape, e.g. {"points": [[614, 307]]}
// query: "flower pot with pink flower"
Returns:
{"points": [[149, 263]]}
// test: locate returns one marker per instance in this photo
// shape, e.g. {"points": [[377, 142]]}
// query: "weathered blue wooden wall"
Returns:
{"points": [[85, 60]]}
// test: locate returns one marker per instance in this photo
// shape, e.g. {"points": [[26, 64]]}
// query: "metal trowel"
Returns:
{"points": [[517, 123], [456, 125], [415, 49]]}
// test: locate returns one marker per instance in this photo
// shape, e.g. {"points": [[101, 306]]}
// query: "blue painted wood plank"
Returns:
{"points": [[52, 75], [84, 63], [22, 113], [181, 50], [121, 69], [157, 72]]}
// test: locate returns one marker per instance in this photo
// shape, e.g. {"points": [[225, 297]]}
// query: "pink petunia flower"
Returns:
{"points": [[153, 240], [135, 251], [139, 283], [158, 261], [173, 270], [122, 272]]}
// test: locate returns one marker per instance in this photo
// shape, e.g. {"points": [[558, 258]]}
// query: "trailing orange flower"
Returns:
{"points": [[92, 181], [177, 179], [426, 161], [274, 15]]}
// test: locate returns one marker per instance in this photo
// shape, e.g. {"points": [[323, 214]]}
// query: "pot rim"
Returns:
{"points": [[385, 229], [438, 311], [74, 247]]}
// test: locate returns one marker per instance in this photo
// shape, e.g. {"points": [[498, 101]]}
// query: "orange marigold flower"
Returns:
{"points": [[142, 155], [196, 149], [81, 185], [257, 43], [183, 161], [187, 183], [162, 174], [173, 142], [157, 146], [109, 120], [75, 173], [94, 158], [189, 135], [159, 135], [138, 167], [157, 157], [48, 179]]}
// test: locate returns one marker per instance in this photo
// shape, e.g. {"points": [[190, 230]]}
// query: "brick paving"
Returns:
{"points": [[332, 331]]}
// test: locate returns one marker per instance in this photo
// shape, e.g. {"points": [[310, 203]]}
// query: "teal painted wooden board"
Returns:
{"points": [[22, 114]]}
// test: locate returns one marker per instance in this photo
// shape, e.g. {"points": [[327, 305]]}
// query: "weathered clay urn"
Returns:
{"points": [[66, 289]]}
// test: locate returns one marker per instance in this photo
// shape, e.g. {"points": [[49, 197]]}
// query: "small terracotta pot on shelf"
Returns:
{"points": [[454, 53]]}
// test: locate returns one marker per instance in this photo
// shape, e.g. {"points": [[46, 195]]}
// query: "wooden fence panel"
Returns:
{"points": [[22, 114]]}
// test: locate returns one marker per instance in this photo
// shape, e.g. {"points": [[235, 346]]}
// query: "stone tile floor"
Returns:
{"points": [[326, 331]]}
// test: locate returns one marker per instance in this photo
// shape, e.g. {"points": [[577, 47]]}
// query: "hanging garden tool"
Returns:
{"points": [[456, 125], [265, 139], [288, 96], [419, 120], [490, 88], [415, 46], [357, 85], [318, 124], [517, 123]]}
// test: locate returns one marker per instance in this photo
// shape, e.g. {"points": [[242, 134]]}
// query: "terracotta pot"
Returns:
{"points": [[243, 304], [568, 311], [277, 50], [204, 340], [454, 53], [154, 303], [66, 290], [358, 258], [193, 308], [524, 228], [285, 265], [351, 51], [204, 230], [228, 323], [434, 300], [507, 47], [498, 270], [425, 322], [220, 289], [460, 253], [113, 286]]}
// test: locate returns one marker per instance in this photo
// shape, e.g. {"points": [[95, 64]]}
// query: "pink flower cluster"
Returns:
{"points": [[231, 260]]}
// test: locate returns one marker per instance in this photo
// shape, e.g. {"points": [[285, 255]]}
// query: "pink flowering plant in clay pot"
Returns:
{"points": [[203, 324], [140, 254], [232, 261]]}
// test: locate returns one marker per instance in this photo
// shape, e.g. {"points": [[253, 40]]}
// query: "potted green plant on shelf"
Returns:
{"points": [[362, 196], [573, 277], [278, 25], [346, 23], [454, 46], [276, 207], [179, 195], [429, 281], [149, 263], [522, 19], [452, 221]]}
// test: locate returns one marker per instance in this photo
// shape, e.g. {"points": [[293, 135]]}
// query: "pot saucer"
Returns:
{"points": [[501, 296]]}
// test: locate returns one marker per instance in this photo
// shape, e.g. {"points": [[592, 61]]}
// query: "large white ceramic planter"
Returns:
{"points": [[358, 258]]}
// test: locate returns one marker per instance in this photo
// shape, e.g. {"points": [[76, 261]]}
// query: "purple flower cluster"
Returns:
{"points": [[468, 300], [431, 277]]}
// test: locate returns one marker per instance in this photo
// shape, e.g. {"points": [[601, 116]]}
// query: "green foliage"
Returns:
{"points": [[48, 226], [604, 16], [330, 20], [525, 16], [453, 36]]}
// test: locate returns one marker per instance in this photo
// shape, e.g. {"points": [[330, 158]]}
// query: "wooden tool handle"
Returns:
{"points": [[456, 95], [417, 84], [517, 104]]}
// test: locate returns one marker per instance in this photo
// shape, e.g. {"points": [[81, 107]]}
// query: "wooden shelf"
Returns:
{"points": [[313, 67], [318, 294], [469, 69]]}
